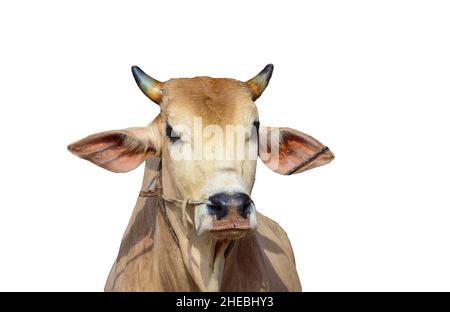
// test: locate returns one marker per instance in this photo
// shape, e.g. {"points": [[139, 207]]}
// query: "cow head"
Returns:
{"points": [[208, 136]]}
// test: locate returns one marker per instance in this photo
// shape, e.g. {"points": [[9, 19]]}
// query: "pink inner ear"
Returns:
{"points": [[297, 152], [109, 151], [96, 143], [109, 154], [126, 162]]}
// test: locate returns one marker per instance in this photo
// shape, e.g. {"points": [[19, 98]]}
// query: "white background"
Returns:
{"points": [[370, 79]]}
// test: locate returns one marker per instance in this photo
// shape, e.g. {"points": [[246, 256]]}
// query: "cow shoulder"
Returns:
{"points": [[278, 253], [271, 234], [262, 262]]}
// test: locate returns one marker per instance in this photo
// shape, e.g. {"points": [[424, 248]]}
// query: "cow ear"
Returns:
{"points": [[287, 151], [117, 150]]}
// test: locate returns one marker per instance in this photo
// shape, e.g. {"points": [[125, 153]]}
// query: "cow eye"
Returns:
{"points": [[173, 137], [256, 125]]}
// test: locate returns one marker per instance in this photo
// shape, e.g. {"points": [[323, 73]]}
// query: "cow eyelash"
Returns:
{"points": [[173, 137]]}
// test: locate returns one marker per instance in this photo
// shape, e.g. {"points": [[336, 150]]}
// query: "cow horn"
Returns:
{"points": [[260, 81], [152, 88]]}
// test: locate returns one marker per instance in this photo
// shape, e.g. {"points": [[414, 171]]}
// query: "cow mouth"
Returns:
{"points": [[229, 234], [232, 226]]}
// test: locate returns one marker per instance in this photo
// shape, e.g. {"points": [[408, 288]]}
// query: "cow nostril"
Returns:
{"points": [[218, 210], [245, 210]]}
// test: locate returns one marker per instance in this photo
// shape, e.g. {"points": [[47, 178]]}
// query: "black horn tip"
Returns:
{"points": [[268, 70], [269, 67], [136, 71], [149, 86]]}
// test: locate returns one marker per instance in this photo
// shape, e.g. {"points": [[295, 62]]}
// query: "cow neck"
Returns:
{"points": [[161, 205], [203, 256], [182, 203]]}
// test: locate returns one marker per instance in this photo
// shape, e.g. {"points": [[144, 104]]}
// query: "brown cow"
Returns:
{"points": [[195, 227]]}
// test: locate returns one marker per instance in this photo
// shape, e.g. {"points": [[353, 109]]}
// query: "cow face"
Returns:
{"points": [[209, 151], [209, 138]]}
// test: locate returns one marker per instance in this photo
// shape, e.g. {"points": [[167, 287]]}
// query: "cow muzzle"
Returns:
{"points": [[233, 215]]}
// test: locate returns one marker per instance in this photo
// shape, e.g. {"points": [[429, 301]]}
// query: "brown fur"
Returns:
{"points": [[149, 259], [218, 101], [160, 250]]}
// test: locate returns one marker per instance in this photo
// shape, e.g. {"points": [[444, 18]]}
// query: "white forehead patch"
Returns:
{"points": [[224, 182]]}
